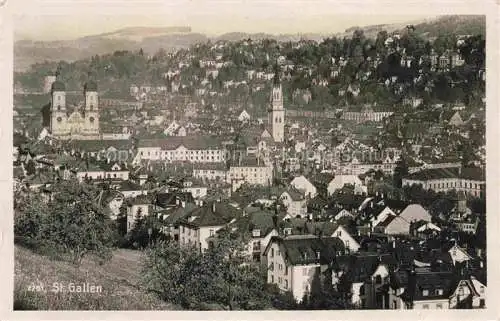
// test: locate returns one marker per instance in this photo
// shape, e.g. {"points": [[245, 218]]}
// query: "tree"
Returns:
{"points": [[71, 223], [222, 276], [400, 171]]}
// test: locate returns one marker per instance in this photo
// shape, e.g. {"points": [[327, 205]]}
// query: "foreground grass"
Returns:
{"points": [[119, 279]]}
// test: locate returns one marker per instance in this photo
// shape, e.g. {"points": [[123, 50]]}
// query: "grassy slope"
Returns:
{"points": [[118, 278]]}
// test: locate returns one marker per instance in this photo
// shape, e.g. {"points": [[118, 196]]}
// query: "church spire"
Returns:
{"points": [[276, 80]]}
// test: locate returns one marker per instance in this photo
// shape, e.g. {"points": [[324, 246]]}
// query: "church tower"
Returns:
{"points": [[58, 108], [276, 113], [91, 110]]}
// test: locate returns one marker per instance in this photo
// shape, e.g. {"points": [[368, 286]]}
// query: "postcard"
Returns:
{"points": [[272, 159]]}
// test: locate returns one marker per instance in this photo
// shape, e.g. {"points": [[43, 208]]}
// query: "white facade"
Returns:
{"points": [[181, 153], [302, 183], [341, 180], [253, 175], [294, 278]]}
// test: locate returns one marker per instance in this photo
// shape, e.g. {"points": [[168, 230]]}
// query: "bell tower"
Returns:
{"points": [[58, 107], [91, 109], [276, 113]]}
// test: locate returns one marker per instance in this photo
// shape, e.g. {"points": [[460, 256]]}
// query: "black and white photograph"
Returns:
{"points": [[216, 157]]}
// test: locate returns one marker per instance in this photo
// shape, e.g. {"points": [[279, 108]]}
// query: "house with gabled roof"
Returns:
{"points": [[97, 170], [138, 207], [294, 261], [400, 224], [422, 288], [130, 189], [302, 183], [363, 275], [258, 226], [201, 224], [294, 201], [340, 181], [333, 229]]}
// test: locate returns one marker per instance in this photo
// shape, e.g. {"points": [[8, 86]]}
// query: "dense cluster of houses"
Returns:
{"points": [[168, 151]]}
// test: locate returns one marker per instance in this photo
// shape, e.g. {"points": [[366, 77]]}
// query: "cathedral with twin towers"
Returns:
{"points": [[77, 122]]}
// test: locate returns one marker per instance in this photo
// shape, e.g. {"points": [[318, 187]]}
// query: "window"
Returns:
{"points": [[439, 291], [378, 279], [339, 233], [272, 252], [256, 233], [425, 292], [211, 232], [439, 306], [425, 306], [272, 278], [279, 280], [461, 291], [286, 284], [481, 290]]}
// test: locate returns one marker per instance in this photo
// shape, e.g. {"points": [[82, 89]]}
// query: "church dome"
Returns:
{"points": [[58, 86], [90, 86]]}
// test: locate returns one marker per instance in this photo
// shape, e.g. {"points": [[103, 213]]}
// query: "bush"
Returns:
{"points": [[69, 226]]}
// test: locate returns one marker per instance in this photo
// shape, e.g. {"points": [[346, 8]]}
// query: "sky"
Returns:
{"points": [[63, 19]]}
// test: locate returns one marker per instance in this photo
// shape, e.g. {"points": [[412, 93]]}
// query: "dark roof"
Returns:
{"points": [[190, 142], [360, 266], [317, 201], [431, 282], [321, 228], [248, 161], [322, 180], [387, 221], [439, 173], [258, 220], [171, 199], [99, 145], [179, 213], [214, 214], [58, 86], [90, 86], [304, 249], [140, 200], [294, 194], [129, 186]]}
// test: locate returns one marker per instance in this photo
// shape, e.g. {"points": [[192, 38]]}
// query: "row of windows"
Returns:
{"points": [[177, 152], [108, 175], [454, 184]]}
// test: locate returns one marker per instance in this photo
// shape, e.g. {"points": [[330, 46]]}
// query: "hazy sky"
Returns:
{"points": [[63, 19]]}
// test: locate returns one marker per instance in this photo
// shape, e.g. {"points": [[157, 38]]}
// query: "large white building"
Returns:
{"points": [[193, 149], [469, 180], [294, 261], [252, 171]]}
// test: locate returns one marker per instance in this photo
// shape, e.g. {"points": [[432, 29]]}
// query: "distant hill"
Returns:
{"points": [[459, 25], [171, 38]]}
